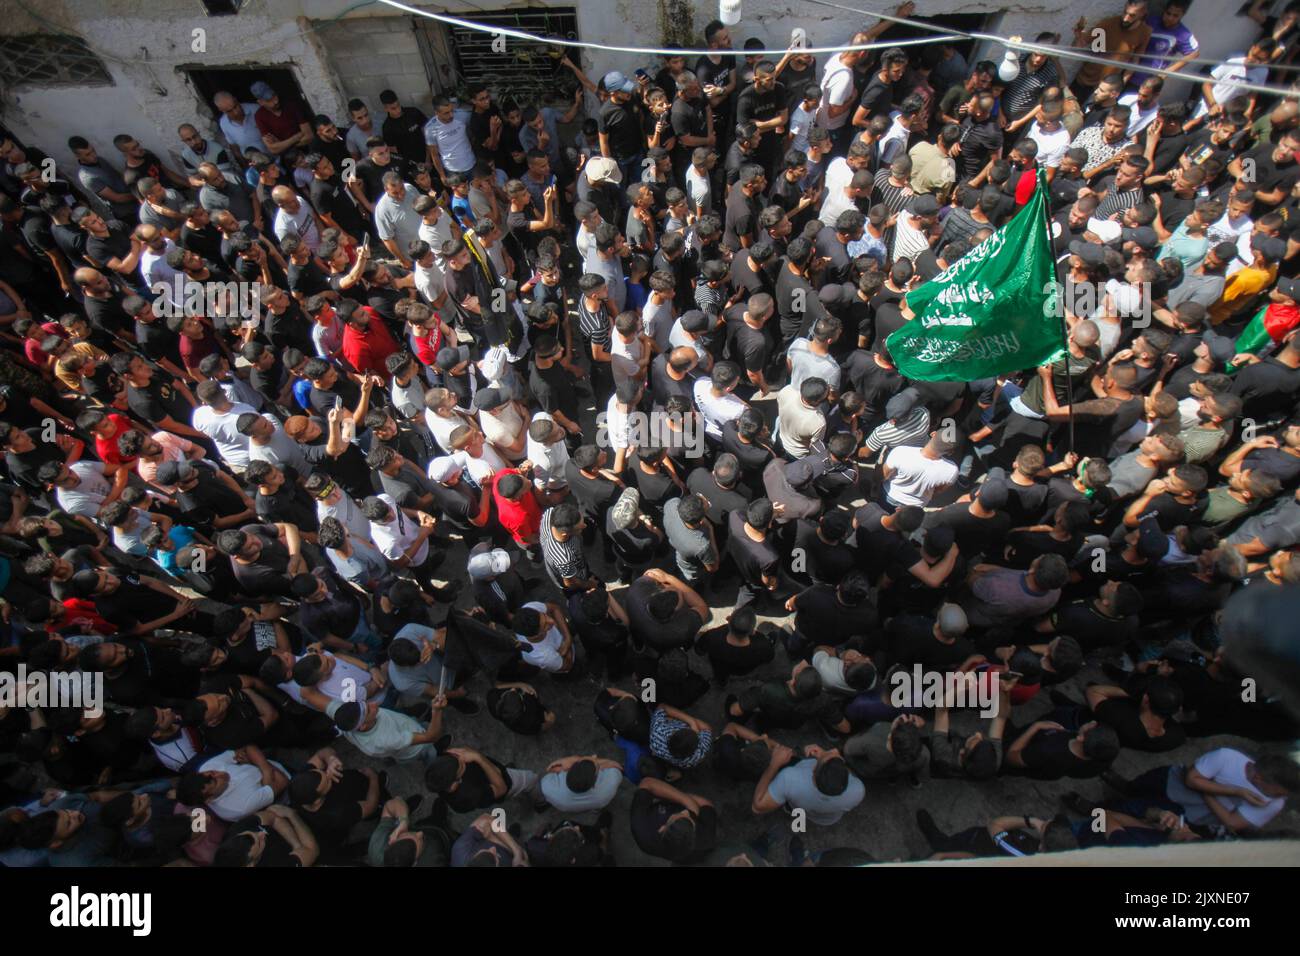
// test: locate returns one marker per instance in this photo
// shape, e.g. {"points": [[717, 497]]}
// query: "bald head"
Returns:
{"points": [[683, 358], [211, 174], [1086, 334], [223, 101], [86, 276], [283, 196], [146, 233]]}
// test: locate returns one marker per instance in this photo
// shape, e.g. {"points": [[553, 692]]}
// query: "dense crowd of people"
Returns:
{"points": [[260, 399]]}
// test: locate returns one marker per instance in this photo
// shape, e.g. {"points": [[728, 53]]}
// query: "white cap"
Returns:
{"points": [[440, 469], [489, 564], [1106, 230]]}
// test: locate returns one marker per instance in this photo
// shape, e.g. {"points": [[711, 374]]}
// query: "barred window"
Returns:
{"points": [[48, 60]]}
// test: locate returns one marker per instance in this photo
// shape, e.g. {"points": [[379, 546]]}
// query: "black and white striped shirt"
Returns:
{"points": [[594, 326], [563, 559]]}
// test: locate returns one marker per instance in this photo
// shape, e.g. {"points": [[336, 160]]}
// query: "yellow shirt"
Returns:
{"points": [[73, 379], [1241, 287]]}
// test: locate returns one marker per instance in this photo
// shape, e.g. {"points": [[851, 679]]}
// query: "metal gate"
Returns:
{"points": [[514, 69]]}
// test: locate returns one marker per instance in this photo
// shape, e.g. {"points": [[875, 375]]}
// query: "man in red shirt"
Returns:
{"points": [[1024, 170], [281, 124], [517, 507], [106, 429], [367, 342]]}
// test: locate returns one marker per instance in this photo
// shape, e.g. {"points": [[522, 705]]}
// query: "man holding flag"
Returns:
{"points": [[991, 312]]}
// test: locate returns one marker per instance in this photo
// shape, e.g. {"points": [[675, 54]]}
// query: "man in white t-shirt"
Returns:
{"points": [[544, 637], [1251, 68], [379, 732], [294, 218], [1227, 788], [218, 418], [915, 475], [820, 784], [838, 90], [1052, 137], [716, 399], [234, 784], [1144, 103], [448, 143]]}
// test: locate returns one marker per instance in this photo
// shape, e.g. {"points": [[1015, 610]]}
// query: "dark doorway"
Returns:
{"points": [[969, 22], [207, 83]]}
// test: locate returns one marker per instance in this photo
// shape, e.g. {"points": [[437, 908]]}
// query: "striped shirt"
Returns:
{"points": [[1022, 93], [563, 559], [594, 326], [913, 430], [1116, 201]]}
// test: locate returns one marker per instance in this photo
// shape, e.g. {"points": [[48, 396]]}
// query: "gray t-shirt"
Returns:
{"points": [[150, 216], [795, 787], [1128, 476], [398, 220], [231, 196], [692, 545], [557, 793], [102, 176], [805, 364], [869, 755]]}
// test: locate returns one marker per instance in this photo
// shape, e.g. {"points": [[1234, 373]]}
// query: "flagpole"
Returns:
{"points": [[1065, 331]]}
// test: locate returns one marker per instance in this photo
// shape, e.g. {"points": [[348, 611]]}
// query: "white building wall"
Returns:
{"points": [[146, 44]]}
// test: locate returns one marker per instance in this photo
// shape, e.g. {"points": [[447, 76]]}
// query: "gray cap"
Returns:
{"points": [[993, 494]]}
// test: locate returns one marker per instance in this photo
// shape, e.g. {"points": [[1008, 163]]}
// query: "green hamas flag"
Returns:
{"points": [[987, 313]]}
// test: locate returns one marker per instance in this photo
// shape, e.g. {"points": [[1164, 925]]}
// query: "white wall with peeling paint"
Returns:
{"points": [[342, 48]]}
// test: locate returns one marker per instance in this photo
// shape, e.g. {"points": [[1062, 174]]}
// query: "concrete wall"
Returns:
{"points": [[342, 48]]}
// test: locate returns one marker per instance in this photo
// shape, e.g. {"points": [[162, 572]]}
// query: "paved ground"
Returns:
{"points": [[884, 825]]}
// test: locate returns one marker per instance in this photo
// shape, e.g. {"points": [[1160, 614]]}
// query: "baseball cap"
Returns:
{"points": [[616, 82], [488, 564], [1144, 236], [923, 205], [450, 357], [602, 168], [625, 510], [1222, 349], [835, 294], [1089, 252], [440, 469], [1289, 288], [952, 620], [486, 399], [993, 494], [295, 426], [169, 473], [261, 90]]}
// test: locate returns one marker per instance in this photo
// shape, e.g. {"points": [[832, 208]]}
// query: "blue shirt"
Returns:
{"points": [[180, 535]]}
